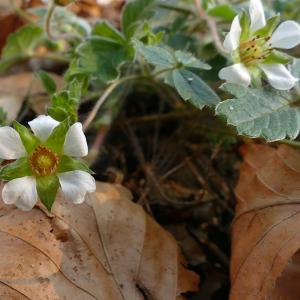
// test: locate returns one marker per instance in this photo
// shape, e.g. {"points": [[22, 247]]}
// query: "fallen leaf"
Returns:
{"points": [[15, 88], [266, 234], [107, 248]]}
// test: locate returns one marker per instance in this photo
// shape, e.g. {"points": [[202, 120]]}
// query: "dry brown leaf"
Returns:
{"points": [[106, 249], [266, 234], [15, 88]]}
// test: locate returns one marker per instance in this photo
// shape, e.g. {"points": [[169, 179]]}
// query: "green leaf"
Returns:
{"points": [[48, 82], [63, 106], [134, 12], [156, 55], [223, 11], [68, 164], [57, 138], [29, 140], [20, 45], [47, 189], [295, 70], [245, 25], [16, 169], [105, 29], [190, 61], [102, 57], [63, 21], [266, 113], [193, 89], [268, 29], [277, 57]]}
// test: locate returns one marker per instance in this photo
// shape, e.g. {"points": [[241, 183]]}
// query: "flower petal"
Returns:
{"points": [[42, 126], [11, 146], [279, 76], [237, 73], [257, 15], [286, 36], [76, 184], [75, 142], [21, 192], [232, 39]]}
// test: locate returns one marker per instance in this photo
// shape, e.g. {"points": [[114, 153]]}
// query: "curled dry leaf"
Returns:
{"points": [[266, 231], [15, 88], [106, 249]]}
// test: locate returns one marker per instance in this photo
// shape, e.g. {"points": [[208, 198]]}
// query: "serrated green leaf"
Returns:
{"points": [[29, 140], [20, 45], [193, 89], [266, 113], [102, 57], [190, 61], [134, 12], [48, 82], [16, 169], [105, 29], [223, 11], [47, 187], [156, 55], [57, 138], [68, 164]]}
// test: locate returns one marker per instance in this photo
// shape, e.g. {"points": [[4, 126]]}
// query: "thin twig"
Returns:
{"points": [[49, 15], [103, 98], [212, 26]]}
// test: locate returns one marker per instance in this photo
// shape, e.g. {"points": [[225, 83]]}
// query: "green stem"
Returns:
{"points": [[163, 71], [49, 15], [179, 9], [104, 97], [53, 57], [25, 16], [295, 144]]}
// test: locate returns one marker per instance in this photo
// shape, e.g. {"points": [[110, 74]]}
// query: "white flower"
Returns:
{"points": [[252, 47], [43, 164]]}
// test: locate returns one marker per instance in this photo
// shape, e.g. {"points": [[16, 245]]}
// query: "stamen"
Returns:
{"points": [[43, 161]]}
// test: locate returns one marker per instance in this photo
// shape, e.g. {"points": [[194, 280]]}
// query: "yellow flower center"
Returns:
{"points": [[254, 51], [43, 161]]}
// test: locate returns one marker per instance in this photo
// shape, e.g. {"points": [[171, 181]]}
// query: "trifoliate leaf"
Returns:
{"points": [[156, 55], [193, 89], [16, 169], [20, 45], [48, 82], [266, 113], [47, 187], [68, 164], [29, 140], [134, 12], [105, 29], [102, 57]]}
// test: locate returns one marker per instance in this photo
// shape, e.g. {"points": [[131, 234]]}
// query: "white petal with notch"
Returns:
{"points": [[75, 143], [21, 192], [42, 126], [286, 36], [279, 76], [75, 185], [237, 73], [11, 146]]}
